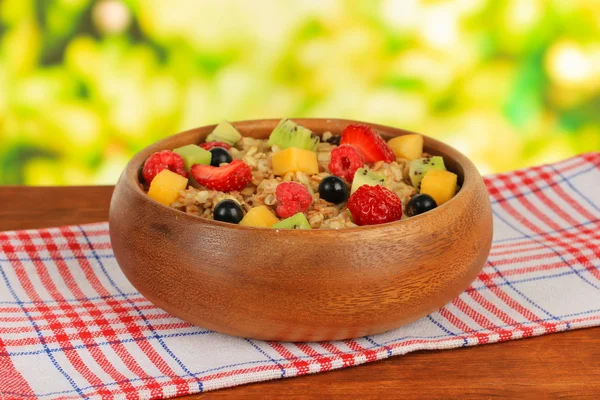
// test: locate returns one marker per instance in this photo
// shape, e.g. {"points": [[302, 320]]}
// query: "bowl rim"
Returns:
{"points": [[130, 176]]}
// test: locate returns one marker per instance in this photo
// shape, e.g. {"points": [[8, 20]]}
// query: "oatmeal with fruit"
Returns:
{"points": [[298, 180]]}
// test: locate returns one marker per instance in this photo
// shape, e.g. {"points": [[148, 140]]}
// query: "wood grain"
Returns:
{"points": [[563, 365], [297, 285], [38, 207]]}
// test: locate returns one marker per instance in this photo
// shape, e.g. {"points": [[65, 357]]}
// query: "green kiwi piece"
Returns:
{"points": [[193, 154], [224, 132], [363, 176], [296, 221], [418, 169], [289, 134]]}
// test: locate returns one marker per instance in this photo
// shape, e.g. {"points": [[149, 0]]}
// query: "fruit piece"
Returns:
{"points": [[259, 217], [293, 160], [233, 176], [228, 211], [160, 161], [418, 169], [193, 154], [333, 190], [441, 185], [219, 156], [419, 204], [212, 145], [409, 147], [165, 187], [224, 132], [345, 160], [372, 205], [289, 134], [365, 177], [368, 142], [296, 221], [292, 198]]}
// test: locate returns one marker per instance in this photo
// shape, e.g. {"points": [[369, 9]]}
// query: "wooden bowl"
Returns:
{"points": [[300, 285]]}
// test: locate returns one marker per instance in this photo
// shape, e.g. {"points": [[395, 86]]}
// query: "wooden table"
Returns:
{"points": [[553, 366]]}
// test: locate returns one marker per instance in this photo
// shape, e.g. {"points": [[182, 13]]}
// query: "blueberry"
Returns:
{"points": [[228, 211], [419, 204], [335, 140], [333, 189], [219, 156]]}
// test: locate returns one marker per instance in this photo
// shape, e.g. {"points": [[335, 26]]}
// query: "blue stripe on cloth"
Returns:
{"points": [[526, 236], [550, 232], [449, 332], [47, 259], [573, 188], [537, 278], [256, 347], [542, 187], [80, 299], [373, 342], [106, 343], [527, 299]]}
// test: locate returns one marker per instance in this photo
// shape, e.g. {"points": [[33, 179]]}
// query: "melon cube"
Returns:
{"points": [[409, 147], [259, 217], [293, 160], [441, 185], [165, 187], [193, 154]]}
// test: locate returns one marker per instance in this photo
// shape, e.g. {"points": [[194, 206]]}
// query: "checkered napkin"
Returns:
{"points": [[72, 326]]}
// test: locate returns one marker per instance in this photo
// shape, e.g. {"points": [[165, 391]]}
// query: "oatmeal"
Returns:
{"points": [[298, 180]]}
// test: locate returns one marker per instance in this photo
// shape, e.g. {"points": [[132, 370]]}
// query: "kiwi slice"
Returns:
{"points": [[193, 154], [296, 221], [363, 176], [224, 132], [418, 169], [289, 134]]}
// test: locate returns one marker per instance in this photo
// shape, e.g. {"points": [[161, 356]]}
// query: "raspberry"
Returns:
{"points": [[292, 198], [345, 160], [165, 159], [212, 145], [372, 205]]}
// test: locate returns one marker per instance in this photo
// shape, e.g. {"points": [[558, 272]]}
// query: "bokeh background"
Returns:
{"points": [[85, 84]]}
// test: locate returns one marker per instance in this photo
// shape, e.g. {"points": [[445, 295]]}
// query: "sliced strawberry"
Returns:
{"points": [[212, 145], [368, 142], [233, 176]]}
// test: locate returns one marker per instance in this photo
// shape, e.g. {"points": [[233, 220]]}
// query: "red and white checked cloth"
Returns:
{"points": [[72, 326]]}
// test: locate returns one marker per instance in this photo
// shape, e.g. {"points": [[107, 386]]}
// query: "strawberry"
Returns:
{"points": [[368, 142], [233, 176]]}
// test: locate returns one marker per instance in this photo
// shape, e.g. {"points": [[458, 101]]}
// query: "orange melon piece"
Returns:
{"points": [[259, 217], [409, 147], [294, 160], [165, 187], [441, 185]]}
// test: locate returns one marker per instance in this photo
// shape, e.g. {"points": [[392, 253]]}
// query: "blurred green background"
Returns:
{"points": [[85, 84]]}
